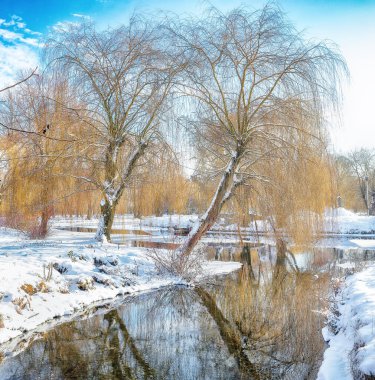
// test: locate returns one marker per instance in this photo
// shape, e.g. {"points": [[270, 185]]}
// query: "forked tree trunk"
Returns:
{"points": [[113, 194], [223, 193]]}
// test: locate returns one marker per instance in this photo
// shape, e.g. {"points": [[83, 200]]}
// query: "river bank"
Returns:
{"points": [[67, 272], [350, 332]]}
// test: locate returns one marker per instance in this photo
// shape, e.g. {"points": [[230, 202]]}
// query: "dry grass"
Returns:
{"points": [[29, 289], [42, 287], [175, 263], [21, 303]]}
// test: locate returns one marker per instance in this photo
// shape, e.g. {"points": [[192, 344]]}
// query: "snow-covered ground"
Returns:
{"points": [[344, 221], [67, 272], [351, 352], [336, 221]]}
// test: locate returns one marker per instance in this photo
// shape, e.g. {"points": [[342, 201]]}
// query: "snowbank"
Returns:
{"points": [[344, 221], [59, 276], [351, 352], [336, 221]]}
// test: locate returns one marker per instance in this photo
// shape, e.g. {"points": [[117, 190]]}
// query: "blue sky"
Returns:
{"points": [[348, 23]]}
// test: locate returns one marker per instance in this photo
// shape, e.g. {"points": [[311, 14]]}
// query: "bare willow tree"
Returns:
{"points": [[361, 163], [255, 89], [35, 149], [347, 184], [18, 82], [123, 78]]}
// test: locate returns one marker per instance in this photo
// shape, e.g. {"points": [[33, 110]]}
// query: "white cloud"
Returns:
{"points": [[18, 49], [62, 26], [21, 25], [14, 20], [15, 31], [11, 36], [29, 31], [14, 59], [81, 16]]}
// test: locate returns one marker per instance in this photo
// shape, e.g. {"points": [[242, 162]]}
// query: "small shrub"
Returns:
{"points": [[64, 290], [60, 268], [173, 262], [74, 256], [103, 281], [127, 282], [86, 283], [71, 256], [47, 272], [29, 289], [28, 224], [42, 287], [21, 303], [100, 261]]}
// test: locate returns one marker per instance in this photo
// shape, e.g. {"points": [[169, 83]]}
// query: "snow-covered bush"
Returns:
{"points": [[85, 283], [105, 260], [21, 303], [61, 267]]}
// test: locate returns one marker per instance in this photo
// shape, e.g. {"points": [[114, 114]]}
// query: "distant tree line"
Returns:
{"points": [[355, 175]]}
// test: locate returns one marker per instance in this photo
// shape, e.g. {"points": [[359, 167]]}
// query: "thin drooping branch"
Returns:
{"points": [[19, 82]]}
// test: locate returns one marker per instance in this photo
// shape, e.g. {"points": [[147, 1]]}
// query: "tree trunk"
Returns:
{"points": [[280, 267], [280, 252], [149, 372], [106, 220], [44, 222], [223, 193], [246, 261], [46, 209], [113, 194], [230, 336]]}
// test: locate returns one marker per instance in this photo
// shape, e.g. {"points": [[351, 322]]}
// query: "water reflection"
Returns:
{"points": [[279, 321], [242, 329]]}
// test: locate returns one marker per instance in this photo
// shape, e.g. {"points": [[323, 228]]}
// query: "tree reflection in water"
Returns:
{"points": [[278, 322], [236, 329]]}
